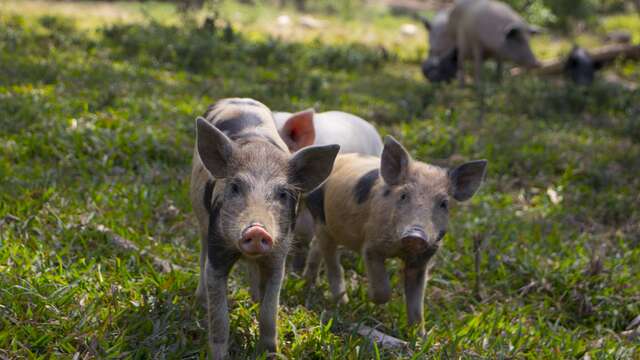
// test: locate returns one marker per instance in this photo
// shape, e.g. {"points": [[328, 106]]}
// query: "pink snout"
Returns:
{"points": [[415, 240], [256, 240]]}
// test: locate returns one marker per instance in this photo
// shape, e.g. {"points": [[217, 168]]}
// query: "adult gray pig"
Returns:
{"points": [[489, 29], [386, 207], [245, 189], [352, 133]]}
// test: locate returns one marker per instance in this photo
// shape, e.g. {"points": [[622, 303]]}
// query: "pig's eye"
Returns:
{"points": [[404, 196], [283, 195], [234, 188], [444, 204]]}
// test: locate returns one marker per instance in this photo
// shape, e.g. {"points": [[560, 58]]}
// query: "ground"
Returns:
{"points": [[97, 107]]}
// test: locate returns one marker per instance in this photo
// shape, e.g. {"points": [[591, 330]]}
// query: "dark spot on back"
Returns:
{"points": [[315, 204], [364, 185], [235, 125], [208, 192]]}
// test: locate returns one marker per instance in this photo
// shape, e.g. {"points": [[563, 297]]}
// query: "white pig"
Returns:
{"points": [[352, 133]]}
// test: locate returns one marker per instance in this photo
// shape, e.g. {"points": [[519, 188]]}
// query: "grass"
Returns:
{"points": [[96, 127]]}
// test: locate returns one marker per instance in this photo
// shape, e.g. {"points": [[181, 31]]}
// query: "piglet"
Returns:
{"points": [[388, 207], [245, 190]]}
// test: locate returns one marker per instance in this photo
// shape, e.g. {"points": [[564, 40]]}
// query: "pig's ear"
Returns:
{"points": [[394, 163], [513, 31], [310, 167], [214, 148], [466, 179], [298, 131]]}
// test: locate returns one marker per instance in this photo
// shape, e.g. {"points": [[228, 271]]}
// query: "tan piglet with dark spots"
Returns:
{"points": [[388, 207]]}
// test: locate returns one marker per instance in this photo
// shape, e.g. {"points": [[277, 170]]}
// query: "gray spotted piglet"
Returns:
{"points": [[245, 188]]}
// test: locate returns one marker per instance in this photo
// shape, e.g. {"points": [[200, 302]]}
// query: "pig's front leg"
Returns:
{"points": [[462, 54], [415, 276], [271, 276], [217, 311], [379, 288]]}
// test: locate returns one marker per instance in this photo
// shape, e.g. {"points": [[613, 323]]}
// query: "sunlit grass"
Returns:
{"points": [[96, 128]]}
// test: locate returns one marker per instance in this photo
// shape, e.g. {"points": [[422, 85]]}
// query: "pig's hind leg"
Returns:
{"points": [[477, 65], [335, 273], [462, 55], [303, 235], [499, 71], [312, 266]]}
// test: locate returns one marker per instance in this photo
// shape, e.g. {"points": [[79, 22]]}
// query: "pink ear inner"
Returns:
{"points": [[299, 128]]}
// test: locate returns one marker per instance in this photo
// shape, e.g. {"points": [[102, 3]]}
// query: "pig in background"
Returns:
{"points": [[245, 190], [580, 67], [478, 30], [352, 133], [388, 207]]}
